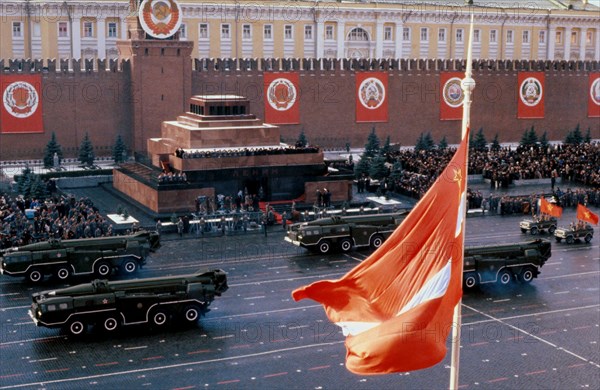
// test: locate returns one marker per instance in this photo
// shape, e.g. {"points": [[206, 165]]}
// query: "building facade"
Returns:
{"points": [[505, 30]]}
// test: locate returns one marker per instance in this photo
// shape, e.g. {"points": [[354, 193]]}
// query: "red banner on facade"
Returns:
{"points": [[530, 95], [21, 110], [451, 102], [282, 103], [594, 96], [371, 97]]}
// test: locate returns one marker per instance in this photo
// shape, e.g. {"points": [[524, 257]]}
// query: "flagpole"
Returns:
{"points": [[467, 84]]}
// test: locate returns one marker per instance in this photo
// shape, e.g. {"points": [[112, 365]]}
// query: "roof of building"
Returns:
{"points": [[577, 5]]}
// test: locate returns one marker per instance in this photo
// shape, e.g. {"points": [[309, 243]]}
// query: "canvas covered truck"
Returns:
{"points": [[501, 264], [110, 305], [344, 232], [85, 256]]}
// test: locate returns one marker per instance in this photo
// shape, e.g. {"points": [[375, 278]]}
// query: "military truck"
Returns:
{"points": [[574, 233], [110, 305], [344, 232], [504, 263], [538, 225], [86, 256]]}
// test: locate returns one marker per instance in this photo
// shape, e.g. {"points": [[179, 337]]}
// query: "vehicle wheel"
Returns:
{"points": [[129, 266], [470, 280], [552, 229], [103, 269], [523, 230], [159, 317], [77, 327], [504, 277], [35, 276], [527, 275], [110, 324], [376, 242], [558, 239], [534, 231], [63, 273], [191, 314], [570, 239], [324, 247], [588, 238], [346, 244]]}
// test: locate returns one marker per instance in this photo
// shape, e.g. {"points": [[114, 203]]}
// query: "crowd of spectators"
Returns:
{"points": [[28, 220], [171, 177], [243, 152]]}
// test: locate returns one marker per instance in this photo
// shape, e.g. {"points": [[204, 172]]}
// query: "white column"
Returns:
{"points": [[583, 33], [398, 39], [379, 39], [551, 43], [341, 39], [597, 54], [567, 43], [123, 28], [320, 39], [101, 37], [76, 35]]}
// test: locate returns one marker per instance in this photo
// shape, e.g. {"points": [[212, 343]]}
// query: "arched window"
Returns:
{"points": [[358, 34]]}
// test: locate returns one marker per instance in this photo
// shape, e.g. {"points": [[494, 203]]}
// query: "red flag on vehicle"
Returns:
{"points": [[550, 208], [396, 307], [586, 214]]}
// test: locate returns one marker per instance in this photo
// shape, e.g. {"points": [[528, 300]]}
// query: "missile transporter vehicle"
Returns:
{"points": [[110, 305], [343, 233], [537, 225], [504, 263], [574, 233], [85, 256]]}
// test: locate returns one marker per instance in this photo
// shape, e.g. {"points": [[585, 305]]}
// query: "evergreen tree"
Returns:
{"points": [[378, 170], [588, 136], [24, 181], [443, 143], [428, 141], [302, 141], [387, 146], [420, 144], [119, 150], [577, 136], [86, 151], [372, 145], [362, 167], [38, 188], [479, 142], [52, 147], [396, 173], [544, 140], [495, 143], [529, 137]]}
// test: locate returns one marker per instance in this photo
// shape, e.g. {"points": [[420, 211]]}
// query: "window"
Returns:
{"points": [[526, 37], [492, 36], [424, 34], [406, 34], [183, 31], [246, 31], [589, 38], [559, 37], [542, 37], [329, 32], [268, 31], [387, 33], [308, 33], [358, 34], [459, 35], [225, 31], [88, 29], [509, 36], [16, 28], [574, 37], [288, 32], [203, 31], [442, 35], [112, 30], [476, 35], [63, 29]]}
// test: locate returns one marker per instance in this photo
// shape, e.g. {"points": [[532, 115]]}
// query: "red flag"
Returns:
{"points": [[530, 95], [21, 110], [371, 97], [396, 307], [586, 214], [451, 96], [282, 103], [550, 208], [594, 96]]}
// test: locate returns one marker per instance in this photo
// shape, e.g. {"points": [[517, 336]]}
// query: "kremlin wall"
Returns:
{"points": [[78, 98]]}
